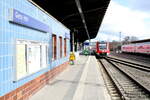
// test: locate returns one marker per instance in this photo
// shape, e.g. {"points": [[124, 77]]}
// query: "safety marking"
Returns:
{"points": [[80, 88]]}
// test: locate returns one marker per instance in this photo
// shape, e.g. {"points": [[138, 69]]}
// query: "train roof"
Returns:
{"points": [[140, 41]]}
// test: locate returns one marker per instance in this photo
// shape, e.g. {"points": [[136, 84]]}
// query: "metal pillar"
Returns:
{"points": [[72, 41]]}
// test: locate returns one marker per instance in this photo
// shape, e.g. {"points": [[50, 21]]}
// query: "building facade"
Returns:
{"points": [[34, 47]]}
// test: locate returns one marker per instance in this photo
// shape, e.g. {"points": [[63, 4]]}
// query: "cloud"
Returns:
{"points": [[106, 37], [126, 20], [142, 5]]}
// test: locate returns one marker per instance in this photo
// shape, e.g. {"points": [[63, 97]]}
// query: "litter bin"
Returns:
{"points": [[72, 58]]}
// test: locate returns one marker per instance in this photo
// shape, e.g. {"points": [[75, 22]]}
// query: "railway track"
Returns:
{"points": [[138, 58], [130, 64], [128, 85]]}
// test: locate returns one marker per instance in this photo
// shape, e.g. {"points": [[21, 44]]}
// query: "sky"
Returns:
{"points": [[128, 17]]}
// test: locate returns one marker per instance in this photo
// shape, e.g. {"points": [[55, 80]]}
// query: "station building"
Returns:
{"points": [[34, 47]]}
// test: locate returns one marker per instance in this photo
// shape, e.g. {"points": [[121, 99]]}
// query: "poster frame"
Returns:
{"points": [[27, 43]]}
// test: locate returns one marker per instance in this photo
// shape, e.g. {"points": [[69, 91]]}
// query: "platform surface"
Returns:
{"points": [[82, 81]]}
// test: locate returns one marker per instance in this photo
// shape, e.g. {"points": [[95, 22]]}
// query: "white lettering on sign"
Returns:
{"points": [[18, 16], [21, 17], [26, 19]]}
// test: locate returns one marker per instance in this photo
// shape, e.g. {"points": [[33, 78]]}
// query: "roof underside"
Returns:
{"points": [[141, 41], [66, 12]]}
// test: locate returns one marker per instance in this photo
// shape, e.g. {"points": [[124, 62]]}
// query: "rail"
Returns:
{"points": [[127, 80]]}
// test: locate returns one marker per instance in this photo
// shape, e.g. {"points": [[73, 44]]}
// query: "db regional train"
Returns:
{"points": [[98, 48], [140, 48], [102, 48]]}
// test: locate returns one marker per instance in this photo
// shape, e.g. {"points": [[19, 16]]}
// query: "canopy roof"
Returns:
{"points": [[141, 41], [82, 16]]}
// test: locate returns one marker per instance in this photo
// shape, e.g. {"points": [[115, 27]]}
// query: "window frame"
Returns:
{"points": [[60, 46], [54, 47], [65, 47]]}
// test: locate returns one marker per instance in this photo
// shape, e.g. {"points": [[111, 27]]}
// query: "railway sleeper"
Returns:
{"points": [[126, 89]]}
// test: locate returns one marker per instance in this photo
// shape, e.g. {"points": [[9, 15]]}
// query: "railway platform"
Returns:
{"points": [[82, 81]]}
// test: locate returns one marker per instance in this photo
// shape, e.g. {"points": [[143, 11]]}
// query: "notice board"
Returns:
{"points": [[44, 55], [21, 67], [33, 54], [31, 57]]}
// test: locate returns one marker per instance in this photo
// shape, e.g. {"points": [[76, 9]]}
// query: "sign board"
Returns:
{"points": [[25, 20], [86, 43], [67, 35], [31, 57]]}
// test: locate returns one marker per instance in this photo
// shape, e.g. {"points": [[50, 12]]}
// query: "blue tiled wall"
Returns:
{"points": [[10, 32]]}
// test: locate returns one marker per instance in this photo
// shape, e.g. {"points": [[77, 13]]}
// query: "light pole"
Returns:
{"points": [[120, 42], [120, 37]]}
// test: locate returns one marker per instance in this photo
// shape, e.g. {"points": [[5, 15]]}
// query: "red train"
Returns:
{"points": [[102, 48], [141, 48]]}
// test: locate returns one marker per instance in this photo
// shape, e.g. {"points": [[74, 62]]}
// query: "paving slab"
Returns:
{"points": [[82, 81]]}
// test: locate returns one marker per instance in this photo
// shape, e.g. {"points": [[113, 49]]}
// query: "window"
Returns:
{"points": [[54, 44], [60, 43], [65, 48], [102, 46]]}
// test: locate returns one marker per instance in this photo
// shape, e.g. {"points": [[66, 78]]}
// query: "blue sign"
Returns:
{"points": [[86, 43], [67, 35], [25, 20]]}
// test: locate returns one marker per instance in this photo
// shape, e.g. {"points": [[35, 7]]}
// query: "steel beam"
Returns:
{"points": [[82, 17]]}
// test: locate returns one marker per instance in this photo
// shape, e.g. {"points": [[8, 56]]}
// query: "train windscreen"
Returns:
{"points": [[102, 46]]}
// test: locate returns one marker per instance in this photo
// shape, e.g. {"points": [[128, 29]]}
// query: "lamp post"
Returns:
{"points": [[120, 42], [120, 37]]}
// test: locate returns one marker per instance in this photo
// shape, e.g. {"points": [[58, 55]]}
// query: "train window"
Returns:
{"points": [[60, 43], [54, 46], [65, 47], [103, 46]]}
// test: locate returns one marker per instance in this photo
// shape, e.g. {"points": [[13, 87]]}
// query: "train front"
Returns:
{"points": [[102, 48]]}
